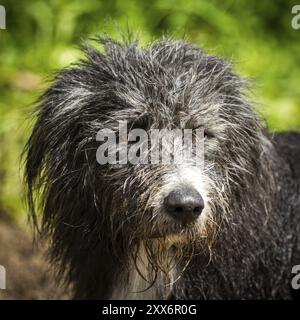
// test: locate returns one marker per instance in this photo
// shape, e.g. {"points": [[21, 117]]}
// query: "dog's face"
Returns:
{"points": [[175, 86], [170, 85], [161, 200]]}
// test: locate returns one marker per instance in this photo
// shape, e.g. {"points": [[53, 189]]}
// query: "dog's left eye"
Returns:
{"points": [[140, 123], [206, 134]]}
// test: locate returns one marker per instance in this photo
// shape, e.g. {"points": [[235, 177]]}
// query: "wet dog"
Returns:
{"points": [[227, 229]]}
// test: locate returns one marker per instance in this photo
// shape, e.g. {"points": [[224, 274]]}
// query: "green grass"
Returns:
{"points": [[42, 36]]}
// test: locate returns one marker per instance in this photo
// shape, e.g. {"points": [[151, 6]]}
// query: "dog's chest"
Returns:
{"points": [[135, 285], [135, 288]]}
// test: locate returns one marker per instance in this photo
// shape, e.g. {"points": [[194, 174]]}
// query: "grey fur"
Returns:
{"points": [[101, 218]]}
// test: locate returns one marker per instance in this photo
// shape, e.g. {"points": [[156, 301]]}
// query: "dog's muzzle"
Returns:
{"points": [[184, 205]]}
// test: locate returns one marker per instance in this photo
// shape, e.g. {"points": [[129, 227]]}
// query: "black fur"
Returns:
{"points": [[98, 217]]}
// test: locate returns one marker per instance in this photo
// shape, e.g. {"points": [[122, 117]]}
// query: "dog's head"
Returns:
{"points": [[169, 85]]}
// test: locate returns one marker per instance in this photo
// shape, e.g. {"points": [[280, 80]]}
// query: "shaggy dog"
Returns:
{"points": [[228, 230]]}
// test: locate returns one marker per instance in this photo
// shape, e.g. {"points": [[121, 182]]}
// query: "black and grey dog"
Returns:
{"points": [[228, 230]]}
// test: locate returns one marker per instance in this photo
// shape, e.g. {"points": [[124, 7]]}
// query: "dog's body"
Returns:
{"points": [[264, 271], [115, 230]]}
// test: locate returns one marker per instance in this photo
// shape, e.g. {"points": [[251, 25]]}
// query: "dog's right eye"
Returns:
{"points": [[207, 134], [140, 123]]}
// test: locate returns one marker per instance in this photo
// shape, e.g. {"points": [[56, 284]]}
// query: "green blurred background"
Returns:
{"points": [[42, 36]]}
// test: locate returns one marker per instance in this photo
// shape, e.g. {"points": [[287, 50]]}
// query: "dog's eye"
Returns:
{"points": [[207, 134], [140, 123]]}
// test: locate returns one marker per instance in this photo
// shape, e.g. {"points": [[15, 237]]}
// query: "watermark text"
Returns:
{"points": [[2, 278], [2, 18], [296, 278], [296, 18], [155, 146]]}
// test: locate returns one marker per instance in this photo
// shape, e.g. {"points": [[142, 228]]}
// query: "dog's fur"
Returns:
{"points": [[101, 219]]}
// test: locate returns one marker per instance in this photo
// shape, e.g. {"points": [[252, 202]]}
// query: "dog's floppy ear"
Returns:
{"points": [[61, 172], [60, 156], [56, 160]]}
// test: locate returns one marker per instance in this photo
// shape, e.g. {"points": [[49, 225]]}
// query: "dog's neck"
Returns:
{"points": [[133, 284]]}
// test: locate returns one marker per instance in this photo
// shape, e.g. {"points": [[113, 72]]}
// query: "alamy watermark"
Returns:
{"points": [[2, 18], [156, 146], [296, 19], [296, 279], [2, 278]]}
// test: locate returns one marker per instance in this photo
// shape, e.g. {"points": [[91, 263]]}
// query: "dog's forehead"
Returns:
{"points": [[168, 83], [169, 80], [140, 108], [158, 102], [166, 106]]}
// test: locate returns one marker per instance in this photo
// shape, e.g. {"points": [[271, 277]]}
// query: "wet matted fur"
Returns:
{"points": [[102, 219]]}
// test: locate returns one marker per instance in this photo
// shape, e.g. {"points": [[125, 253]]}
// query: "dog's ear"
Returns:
{"points": [[61, 173], [60, 156], [60, 164]]}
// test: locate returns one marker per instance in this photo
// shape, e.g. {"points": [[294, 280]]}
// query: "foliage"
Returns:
{"points": [[42, 36]]}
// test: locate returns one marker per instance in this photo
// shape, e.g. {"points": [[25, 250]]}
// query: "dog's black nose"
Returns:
{"points": [[184, 204]]}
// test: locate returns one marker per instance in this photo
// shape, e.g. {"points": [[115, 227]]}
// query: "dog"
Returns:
{"points": [[226, 230]]}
